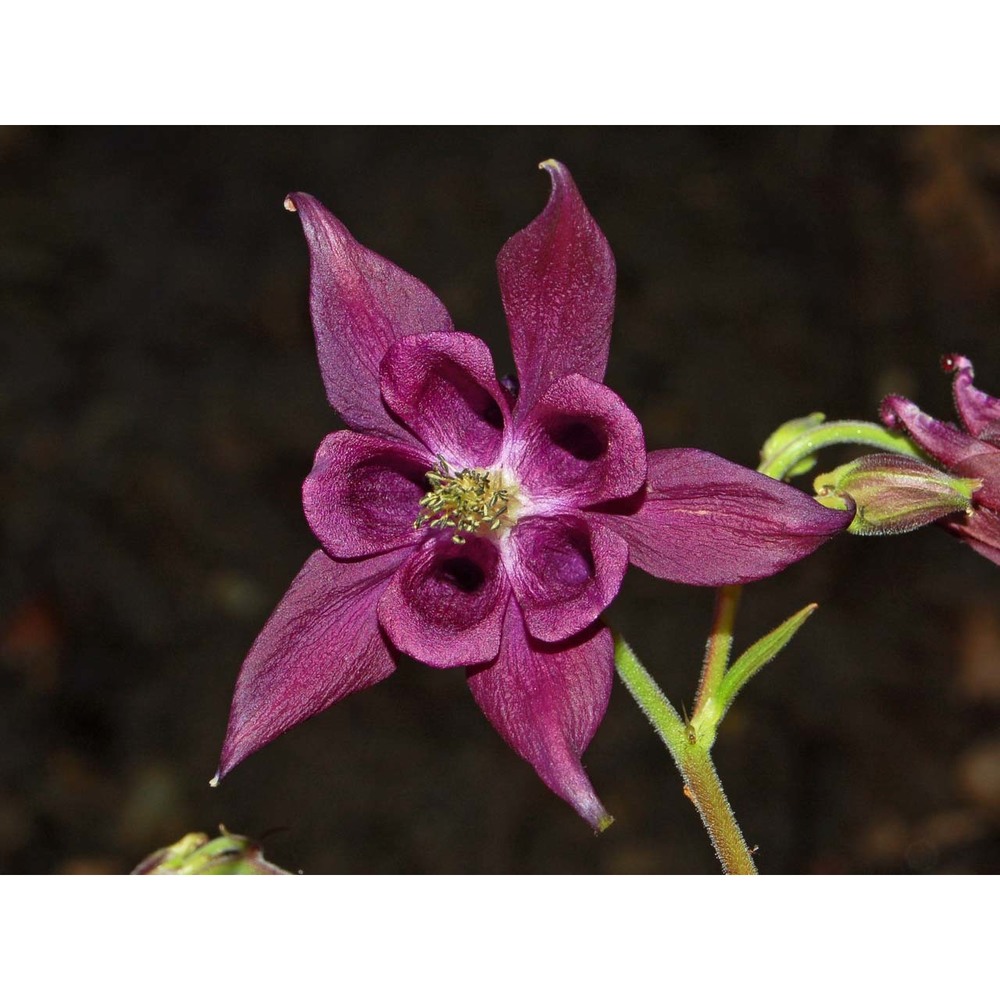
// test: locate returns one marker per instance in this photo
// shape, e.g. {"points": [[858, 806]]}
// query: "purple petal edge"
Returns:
{"points": [[941, 440], [980, 530], [979, 411]]}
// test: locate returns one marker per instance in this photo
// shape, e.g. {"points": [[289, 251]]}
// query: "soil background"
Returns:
{"points": [[160, 404]]}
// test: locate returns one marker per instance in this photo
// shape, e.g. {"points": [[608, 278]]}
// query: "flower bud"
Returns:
{"points": [[893, 494], [195, 854]]}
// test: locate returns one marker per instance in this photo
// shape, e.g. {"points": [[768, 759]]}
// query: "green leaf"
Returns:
{"points": [[756, 657]]}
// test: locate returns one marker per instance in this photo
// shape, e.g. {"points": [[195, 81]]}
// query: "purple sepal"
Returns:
{"points": [[547, 701], [986, 468], [361, 303], [941, 440], [321, 643], [557, 281], [980, 529], [979, 411], [707, 521]]}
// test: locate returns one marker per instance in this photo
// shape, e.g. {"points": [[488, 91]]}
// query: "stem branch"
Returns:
{"points": [[701, 782], [717, 652]]}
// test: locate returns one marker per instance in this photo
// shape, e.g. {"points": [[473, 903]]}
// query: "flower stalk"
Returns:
{"points": [[717, 653], [791, 457], [691, 755]]}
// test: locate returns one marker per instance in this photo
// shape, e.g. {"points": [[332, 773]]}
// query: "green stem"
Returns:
{"points": [[720, 644], [701, 782], [857, 432]]}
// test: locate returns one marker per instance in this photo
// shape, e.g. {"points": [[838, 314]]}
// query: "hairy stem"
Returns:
{"points": [[717, 652], [701, 782]]}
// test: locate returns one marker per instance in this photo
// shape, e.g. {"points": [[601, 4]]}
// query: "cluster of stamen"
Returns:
{"points": [[468, 501]]}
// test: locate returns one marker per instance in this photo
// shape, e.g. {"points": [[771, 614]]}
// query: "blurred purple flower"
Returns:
{"points": [[473, 522], [973, 453]]}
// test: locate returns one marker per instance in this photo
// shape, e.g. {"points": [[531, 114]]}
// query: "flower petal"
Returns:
{"points": [[710, 522], [579, 445], [979, 412], [980, 529], [547, 701], [360, 304], [986, 467], [557, 280], [363, 494], [939, 439], [443, 388], [321, 643], [445, 605], [564, 571]]}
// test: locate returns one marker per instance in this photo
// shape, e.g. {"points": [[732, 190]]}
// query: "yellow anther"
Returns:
{"points": [[468, 501]]}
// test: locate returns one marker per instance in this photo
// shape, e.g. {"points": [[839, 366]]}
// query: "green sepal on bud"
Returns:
{"points": [[893, 494], [785, 435], [197, 854]]}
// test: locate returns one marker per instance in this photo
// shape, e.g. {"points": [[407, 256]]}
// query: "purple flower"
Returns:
{"points": [[973, 453], [474, 522]]}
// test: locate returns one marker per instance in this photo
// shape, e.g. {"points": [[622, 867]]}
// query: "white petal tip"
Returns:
{"points": [[290, 205], [214, 782]]}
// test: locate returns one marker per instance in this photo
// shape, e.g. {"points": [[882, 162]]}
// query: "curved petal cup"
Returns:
{"points": [[564, 571], [445, 605], [363, 494], [444, 389], [580, 445]]}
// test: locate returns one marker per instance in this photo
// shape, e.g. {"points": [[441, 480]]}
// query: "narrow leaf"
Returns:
{"points": [[757, 656]]}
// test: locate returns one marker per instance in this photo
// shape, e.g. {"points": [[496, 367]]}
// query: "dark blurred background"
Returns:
{"points": [[160, 403]]}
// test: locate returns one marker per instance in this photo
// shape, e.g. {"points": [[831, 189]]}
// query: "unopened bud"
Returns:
{"points": [[893, 494], [195, 854]]}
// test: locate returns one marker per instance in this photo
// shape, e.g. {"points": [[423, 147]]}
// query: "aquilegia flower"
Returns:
{"points": [[469, 521], [973, 453]]}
